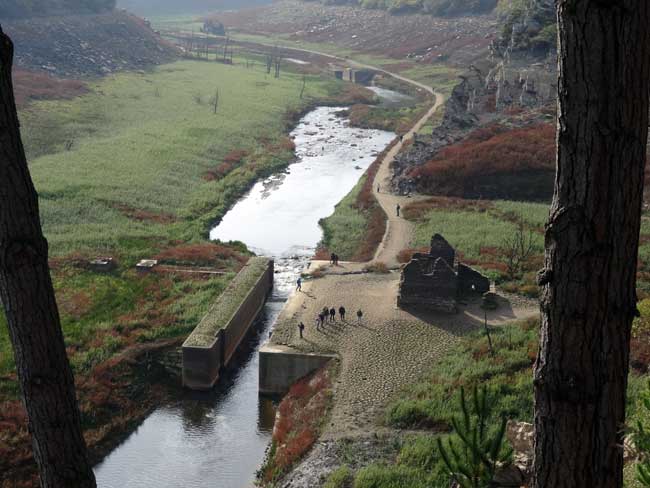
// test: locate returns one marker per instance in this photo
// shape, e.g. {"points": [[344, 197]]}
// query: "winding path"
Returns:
{"points": [[399, 231]]}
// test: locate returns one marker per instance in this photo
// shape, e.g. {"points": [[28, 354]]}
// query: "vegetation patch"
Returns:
{"points": [[300, 417]]}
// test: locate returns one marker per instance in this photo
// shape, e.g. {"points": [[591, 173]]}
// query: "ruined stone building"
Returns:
{"points": [[435, 281]]}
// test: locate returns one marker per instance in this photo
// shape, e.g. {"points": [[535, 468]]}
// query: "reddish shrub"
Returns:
{"points": [[144, 215], [32, 85], [230, 162], [493, 162], [298, 422]]}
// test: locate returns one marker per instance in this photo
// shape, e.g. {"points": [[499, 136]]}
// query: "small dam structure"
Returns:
{"points": [[212, 344]]}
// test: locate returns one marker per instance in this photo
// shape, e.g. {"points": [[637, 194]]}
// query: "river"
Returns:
{"points": [[218, 439]]}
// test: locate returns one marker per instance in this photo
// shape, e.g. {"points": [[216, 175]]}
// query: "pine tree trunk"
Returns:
{"points": [[27, 294], [592, 237]]}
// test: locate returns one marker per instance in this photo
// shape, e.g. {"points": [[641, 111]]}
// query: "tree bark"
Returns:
{"points": [[27, 295], [592, 238]]}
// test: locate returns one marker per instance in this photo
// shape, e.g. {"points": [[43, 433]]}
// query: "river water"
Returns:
{"points": [[218, 439]]}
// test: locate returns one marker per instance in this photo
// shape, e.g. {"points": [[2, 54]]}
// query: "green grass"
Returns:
{"points": [[145, 141], [345, 229], [534, 214], [339, 478], [467, 231]]}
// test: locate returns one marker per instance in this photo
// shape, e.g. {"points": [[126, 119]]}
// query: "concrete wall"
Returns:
{"points": [[281, 367], [202, 365]]}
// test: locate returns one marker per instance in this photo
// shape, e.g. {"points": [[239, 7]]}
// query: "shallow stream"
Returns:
{"points": [[218, 439]]}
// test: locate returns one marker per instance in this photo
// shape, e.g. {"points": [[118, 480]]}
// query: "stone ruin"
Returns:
{"points": [[435, 281]]}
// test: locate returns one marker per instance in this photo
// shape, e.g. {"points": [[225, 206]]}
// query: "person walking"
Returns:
{"points": [[332, 258], [321, 320], [318, 322], [401, 138], [398, 208], [342, 313], [299, 284], [301, 328], [332, 314], [359, 316], [378, 188]]}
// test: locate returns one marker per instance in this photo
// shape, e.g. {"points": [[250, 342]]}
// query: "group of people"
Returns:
{"points": [[329, 315], [334, 259]]}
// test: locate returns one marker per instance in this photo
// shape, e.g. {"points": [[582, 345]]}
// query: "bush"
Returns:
{"points": [[380, 476], [340, 478]]}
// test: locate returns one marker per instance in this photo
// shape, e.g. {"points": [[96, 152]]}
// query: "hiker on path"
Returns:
{"points": [[398, 208], [333, 259], [401, 138], [301, 327], [378, 188], [332, 314], [336, 260], [359, 316], [299, 284], [321, 319], [342, 313], [318, 322]]}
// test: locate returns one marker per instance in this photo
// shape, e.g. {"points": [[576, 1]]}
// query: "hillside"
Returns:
{"points": [[167, 7], [34, 8], [434, 7]]}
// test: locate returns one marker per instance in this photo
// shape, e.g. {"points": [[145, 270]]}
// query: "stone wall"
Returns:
{"points": [[202, 362]]}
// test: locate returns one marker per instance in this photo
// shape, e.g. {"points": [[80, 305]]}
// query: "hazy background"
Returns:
{"points": [[165, 7]]}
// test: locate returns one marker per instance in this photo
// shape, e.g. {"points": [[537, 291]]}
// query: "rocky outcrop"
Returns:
{"points": [[531, 30], [86, 45]]}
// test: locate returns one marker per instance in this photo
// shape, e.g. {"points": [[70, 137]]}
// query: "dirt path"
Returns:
{"points": [[399, 231]]}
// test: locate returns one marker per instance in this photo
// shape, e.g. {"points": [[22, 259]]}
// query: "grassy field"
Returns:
{"points": [[145, 141]]}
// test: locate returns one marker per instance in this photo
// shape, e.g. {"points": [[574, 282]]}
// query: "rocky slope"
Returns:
{"points": [[75, 46], [40, 8]]}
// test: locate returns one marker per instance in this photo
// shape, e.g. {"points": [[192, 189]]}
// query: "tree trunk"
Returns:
{"points": [[592, 238], [28, 297]]}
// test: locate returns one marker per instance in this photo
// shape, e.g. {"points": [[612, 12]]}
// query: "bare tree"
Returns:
{"points": [[304, 85], [215, 101], [27, 294], [517, 249], [592, 237]]}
